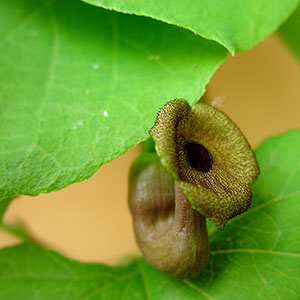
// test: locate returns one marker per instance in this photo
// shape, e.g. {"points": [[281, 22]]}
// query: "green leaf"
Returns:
{"points": [[290, 31], [3, 206], [237, 25], [257, 256], [80, 85]]}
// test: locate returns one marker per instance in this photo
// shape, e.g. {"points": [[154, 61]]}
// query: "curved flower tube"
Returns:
{"points": [[203, 171]]}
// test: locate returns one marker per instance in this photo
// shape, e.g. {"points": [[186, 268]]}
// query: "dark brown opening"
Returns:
{"points": [[198, 157]]}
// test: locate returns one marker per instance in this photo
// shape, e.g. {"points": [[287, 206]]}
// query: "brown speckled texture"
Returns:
{"points": [[223, 192]]}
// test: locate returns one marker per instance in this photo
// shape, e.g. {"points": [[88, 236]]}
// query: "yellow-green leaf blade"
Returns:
{"points": [[78, 89]]}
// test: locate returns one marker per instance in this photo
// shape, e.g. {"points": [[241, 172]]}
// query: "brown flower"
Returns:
{"points": [[208, 156]]}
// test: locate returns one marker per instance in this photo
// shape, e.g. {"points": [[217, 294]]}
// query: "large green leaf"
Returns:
{"points": [[80, 85], [290, 31], [237, 25], [257, 256]]}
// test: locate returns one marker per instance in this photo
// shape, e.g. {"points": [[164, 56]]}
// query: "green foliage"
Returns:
{"points": [[256, 257], [3, 206], [290, 31], [237, 25], [78, 89], [80, 85]]}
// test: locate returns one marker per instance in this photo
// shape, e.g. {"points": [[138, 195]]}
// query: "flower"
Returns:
{"points": [[208, 156]]}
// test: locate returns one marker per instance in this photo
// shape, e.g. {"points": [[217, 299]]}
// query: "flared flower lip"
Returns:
{"points": [[223, 191]]}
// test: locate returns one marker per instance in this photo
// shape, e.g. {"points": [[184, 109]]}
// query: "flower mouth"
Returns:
{"points": [[198, 157]]}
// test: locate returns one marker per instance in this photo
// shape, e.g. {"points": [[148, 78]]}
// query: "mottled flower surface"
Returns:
{"points": [[208, 156]]}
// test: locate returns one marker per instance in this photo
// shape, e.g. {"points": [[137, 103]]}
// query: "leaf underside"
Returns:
{"points": [[256, 257], [234, 24]]}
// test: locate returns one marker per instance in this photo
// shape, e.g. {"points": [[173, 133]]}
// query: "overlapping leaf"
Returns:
{"points": [[237, 25], [80, 85], [257, 256]]}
